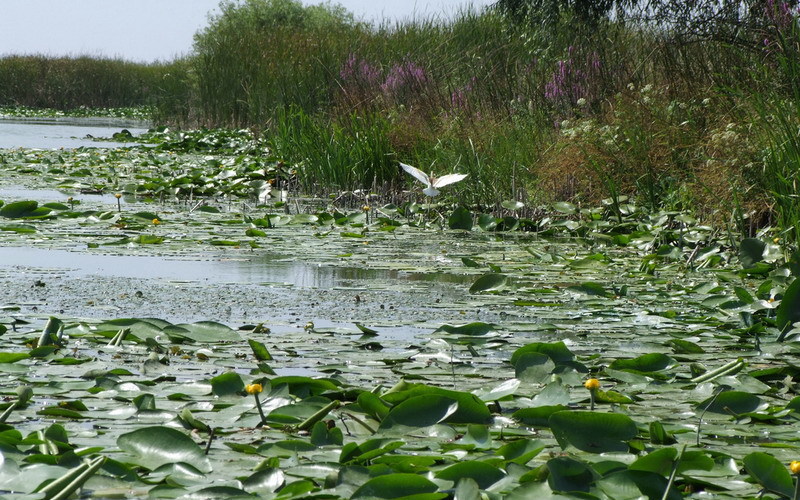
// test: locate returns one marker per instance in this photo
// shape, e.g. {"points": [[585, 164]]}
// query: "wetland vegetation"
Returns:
{"points": [[604, 308]]}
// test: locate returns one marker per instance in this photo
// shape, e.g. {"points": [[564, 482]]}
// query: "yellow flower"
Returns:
{"points": [[156, 222], [592, 384], [253, 388], [117, 195], [795, 466], [365, 208]]}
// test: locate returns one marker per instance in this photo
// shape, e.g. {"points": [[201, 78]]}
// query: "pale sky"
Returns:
{"points": [[150, 30]]}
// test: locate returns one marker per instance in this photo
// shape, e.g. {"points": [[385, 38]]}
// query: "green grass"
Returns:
{"points": [[67, 83]]}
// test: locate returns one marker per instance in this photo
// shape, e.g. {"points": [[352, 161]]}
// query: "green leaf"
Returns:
{"points": [[647, 363], [365, 329], [203, 331], [521, 451], [789, 309], [659, 435], [23, 210], [590, 288], [153, 447], [420, 411], [487, 222], [539, 416], [148, 216], [594, 432], [557, 351], [658, 461], [489, 282], [461, 218], [259, 350], [471, 410], [534, 367], [13, 357], [751, 251], [481, 472], [512, 204], [396, 486], [227, 384], [373, 405], [148, 239], [19, 228], [265, 481], [354, 453], [568, 474], [769, 473], [565, 207], [731, 402], [472, 329]]}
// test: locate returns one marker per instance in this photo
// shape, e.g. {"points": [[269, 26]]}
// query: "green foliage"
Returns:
{"points": [[69, 83]]}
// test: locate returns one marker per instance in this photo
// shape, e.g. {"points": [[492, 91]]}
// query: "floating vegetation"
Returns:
{"points": [[606, 352]]}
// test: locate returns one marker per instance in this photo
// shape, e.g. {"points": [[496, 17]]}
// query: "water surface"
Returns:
{"points": [[55, 133]]}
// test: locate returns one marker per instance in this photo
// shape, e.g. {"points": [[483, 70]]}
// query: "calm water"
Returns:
{"points": [[55, 133]]}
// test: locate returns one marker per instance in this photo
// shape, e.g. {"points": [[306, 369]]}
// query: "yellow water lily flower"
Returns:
{"points": [[156, 222], [592, 384], [253, 388], [795, 466]]}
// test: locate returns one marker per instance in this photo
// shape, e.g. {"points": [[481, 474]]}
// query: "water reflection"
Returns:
{"points": [[49, 195], [265, 269], [54, 133]]}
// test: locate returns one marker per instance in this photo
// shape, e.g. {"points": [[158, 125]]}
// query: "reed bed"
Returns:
{"points": [[536, 112]]}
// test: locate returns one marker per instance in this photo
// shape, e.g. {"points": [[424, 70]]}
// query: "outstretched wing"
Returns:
{"points": [[416, 173], [448, 179]]}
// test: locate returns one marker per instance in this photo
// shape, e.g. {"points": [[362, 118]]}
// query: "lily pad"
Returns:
{"points": [[153, 447], [594, 432]]}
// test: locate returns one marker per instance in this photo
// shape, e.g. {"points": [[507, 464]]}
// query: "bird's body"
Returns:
{"points": [[431, 182]]}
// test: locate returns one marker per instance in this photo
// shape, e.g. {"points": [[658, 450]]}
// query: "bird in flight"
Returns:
{"points": [[431, 182]]}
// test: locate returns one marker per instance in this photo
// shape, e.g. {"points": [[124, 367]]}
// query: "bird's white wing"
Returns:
{"points": [[416, 173], [448, 179]]}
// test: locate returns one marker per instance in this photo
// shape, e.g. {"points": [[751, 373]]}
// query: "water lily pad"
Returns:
{"points": [[769, 473], [789, 310], [476, 328], [751, 251], [569, 475], [153, 447], [645, 363], [203, 331], [398, 486], [489, 282], [470, 409], [595, 432], [732, 402], [24, 210], [460, 218], [481, 472], [420, 411]]}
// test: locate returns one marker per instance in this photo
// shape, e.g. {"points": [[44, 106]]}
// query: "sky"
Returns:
{"points": [[151, 30]]}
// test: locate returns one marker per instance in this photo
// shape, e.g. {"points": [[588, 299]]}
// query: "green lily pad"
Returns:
{"points": [[153, 447], [481, 472], [24, 210], [769, 473], [594, 432], [461, 218], [420, 411], [731, 402], [789, 309], [397, 486], [489, 282]]}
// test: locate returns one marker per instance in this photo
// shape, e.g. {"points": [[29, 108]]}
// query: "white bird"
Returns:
{"points": [[430, 181]]}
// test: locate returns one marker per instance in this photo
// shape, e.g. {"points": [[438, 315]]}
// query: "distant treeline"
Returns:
{"points": [[675, 107]]}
